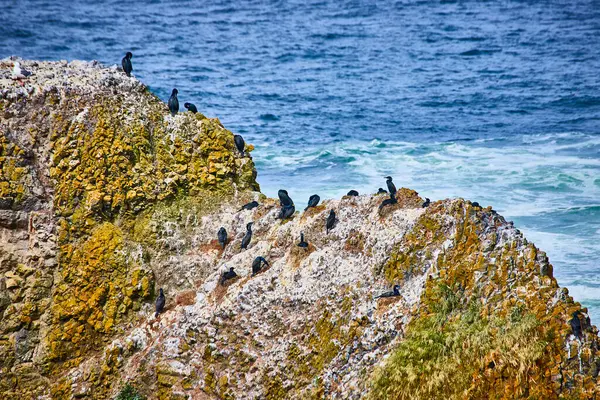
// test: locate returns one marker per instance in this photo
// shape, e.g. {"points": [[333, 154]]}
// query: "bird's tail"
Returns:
{"points": [[156, 315]]}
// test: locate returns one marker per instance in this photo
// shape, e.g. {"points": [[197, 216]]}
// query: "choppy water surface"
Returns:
{"points": [[497, 102]]}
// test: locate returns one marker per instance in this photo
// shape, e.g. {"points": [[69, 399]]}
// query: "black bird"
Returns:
{"points": [[352, 193], [302, 243], [391, 186], [576, 325], [248, 236], [257, 264], [173, 102], [284, 198], [160, 303], [330, 220], [382, 191], [239, 143], [475, 204], [426, 203], [392, 293], [126, 63], [190, 107], [249, 206], [228, 275], [287, 211], [387, 202], [222, 235], [313, 201]]}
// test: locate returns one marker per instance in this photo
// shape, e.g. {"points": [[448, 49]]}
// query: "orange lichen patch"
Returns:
{"points": [[221, 289], [186, 298], [212, 245], [355, 243], [408, 198], [298, 254], [313, 211]]}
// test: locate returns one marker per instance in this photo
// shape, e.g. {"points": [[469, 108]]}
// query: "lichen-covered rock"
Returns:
{"points": [[85, 150], [105, 197]]}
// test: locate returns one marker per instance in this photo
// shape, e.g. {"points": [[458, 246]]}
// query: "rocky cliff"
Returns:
{"points": [[105, 197]]}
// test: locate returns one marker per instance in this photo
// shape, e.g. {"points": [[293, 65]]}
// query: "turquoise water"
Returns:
{"points": [[497, 102]]}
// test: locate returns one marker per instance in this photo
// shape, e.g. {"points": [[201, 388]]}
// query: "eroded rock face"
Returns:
{"points": [[105, 198]]}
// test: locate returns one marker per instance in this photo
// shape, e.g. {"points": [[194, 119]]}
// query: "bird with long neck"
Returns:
{"points": [[248, 236], [302, 243]]}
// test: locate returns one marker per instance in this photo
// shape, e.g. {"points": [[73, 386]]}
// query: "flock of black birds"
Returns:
{"points": [[287, 204], [286, 211]]}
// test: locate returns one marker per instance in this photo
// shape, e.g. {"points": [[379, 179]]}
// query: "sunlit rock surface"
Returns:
{"points": [[105, 197]]}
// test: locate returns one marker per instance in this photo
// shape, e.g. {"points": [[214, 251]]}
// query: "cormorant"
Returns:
{"points": [[249, 206], [576, 325], [160, 303], [287, 211], [391, 186], [126, 63], [426, 203], [302, 242], [284, 198], [330, 220], [173, 102], [239, 143], [352, 193], [313, 201], [257, 264], [248, 236], [222, 235], [190, 107], [382, 191], [392, 293], [228, 275], [387, 202]]}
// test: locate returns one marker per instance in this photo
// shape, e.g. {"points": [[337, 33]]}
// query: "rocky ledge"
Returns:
{"points": [[105, 197]]}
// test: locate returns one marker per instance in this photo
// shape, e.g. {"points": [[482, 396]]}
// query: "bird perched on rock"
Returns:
{"points": [[248, 236], [257, 264], [239, 143], [249, 206], [382, 191], [222, 235], [126, 63], [426, 203], [173, 102], [302, 243], [160, 303], [284, 198], [576, 325], [388, 202], [192, 108], [330, 221], [352, 193], [19, 73], [228, 275], [475, 204], [287, 211], [392, 293], [391, 186], [313, 201]]}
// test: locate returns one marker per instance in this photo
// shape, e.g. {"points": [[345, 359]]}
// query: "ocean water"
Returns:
{"points": [[497, 102]]}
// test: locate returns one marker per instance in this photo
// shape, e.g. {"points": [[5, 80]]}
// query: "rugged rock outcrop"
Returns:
{"points": [[104, 198]]}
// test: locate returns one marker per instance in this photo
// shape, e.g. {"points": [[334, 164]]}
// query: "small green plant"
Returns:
{"points": [[129, 393]]}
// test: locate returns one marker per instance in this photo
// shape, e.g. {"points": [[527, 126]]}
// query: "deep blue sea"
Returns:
{"points": [[497, 102]]}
